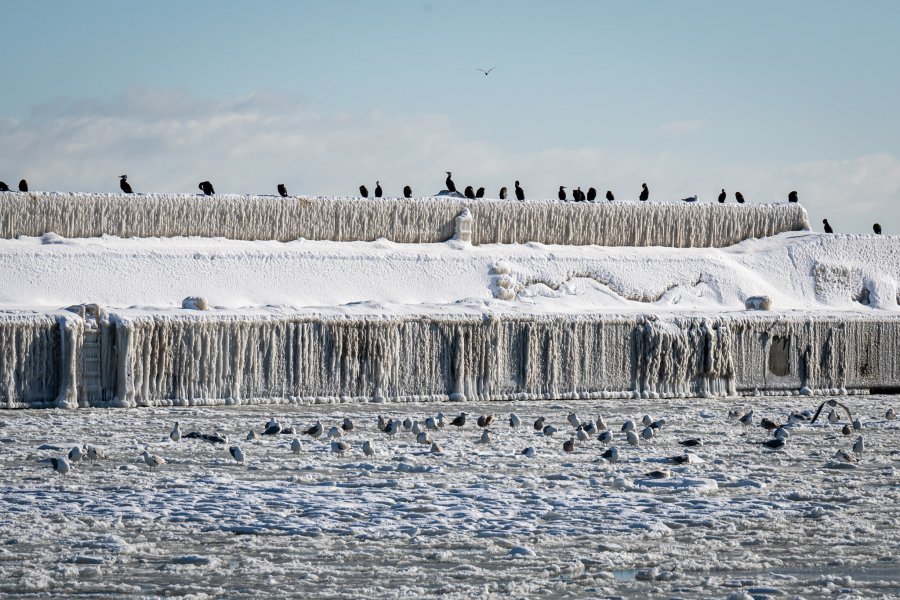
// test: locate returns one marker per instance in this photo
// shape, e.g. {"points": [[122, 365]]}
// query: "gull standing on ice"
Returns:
{"points": [[628, 425], [459, 421], [423, 438], [407, 424], [582, 435], [611, 455], [647, 433], [236, 454], [890, 415], [368, 450], [339, 446], [549, 430], [539, 423], [393, 427], [273, 428], [124, 185], [436, 449], [574, 421], [858, 445], [485, 437], [646, 420], [416, 428], [485, 420], [431, 424], [335, 432], [153, 460], [348, 425], [252, 435], [77, 453], [632, 438], [569, 445], [93, 454], [295, 446], [514, 420], [605, 436], [316, 430], [175, 434], [60, 465]]}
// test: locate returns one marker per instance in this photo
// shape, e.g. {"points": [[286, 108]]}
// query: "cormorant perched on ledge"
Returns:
{"points": [[479, 193], [876, 228], [792, 197], [520, 193], [207, 188], [363, 191], [739, 197], [378, 189], [282, 191], [470, 193], [578, 194], [722, 196], [592, 194], [645, 192], [562, 192], [451, 187], [23, 185], [407, 191], [124, 185], [609, 195], [828, 228], [3, 187], [503, 193]]}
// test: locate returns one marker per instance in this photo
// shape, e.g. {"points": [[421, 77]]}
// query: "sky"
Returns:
{"points": [[689, 97]]}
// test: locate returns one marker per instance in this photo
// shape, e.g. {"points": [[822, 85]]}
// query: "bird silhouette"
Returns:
{"points": [[3, 187], [645, 192], [23, 185], [520, 193], [722, 196], [486, 73], [828, 228], [503, 193], [739, 197], [876, 228], [124, 185], [470, 193], [282, 191], [407, 191], [792, 197], [562, 192], [591, 194], [363, 191], [207, 188], [479, 193], [609, 195], [451, 187], [378, 189]]}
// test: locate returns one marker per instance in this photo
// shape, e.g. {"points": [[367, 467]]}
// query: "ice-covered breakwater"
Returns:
{"points": [[123, 359], [418, 220]]}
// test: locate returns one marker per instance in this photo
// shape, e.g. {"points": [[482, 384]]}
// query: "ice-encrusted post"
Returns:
{"points": [[71, 330], [462, 227]]}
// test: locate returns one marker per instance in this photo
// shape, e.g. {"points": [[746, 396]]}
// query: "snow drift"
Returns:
{"points": [[418, 220]]}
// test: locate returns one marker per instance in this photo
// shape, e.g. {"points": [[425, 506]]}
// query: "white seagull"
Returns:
{"points": [[77, 453], [529, 451], [632, 438], [153, 460], [485, 437], [335, 432], [574, 421], [175, 434], [339, 446], [368, 450], [628, 425], [60, 465], [295, 446], [237, 454], [514, 420], [431, 424], [348, 425], [423, 438], [858, 445], [94, 454]]}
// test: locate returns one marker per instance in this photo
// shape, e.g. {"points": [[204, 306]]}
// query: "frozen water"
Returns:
{"points": [[473, 521]]}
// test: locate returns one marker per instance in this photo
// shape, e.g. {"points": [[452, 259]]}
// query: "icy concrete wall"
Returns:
{"points": [[176, 359], [414, 220], [38, 360]]}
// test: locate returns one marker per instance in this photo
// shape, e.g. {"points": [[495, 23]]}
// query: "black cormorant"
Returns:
{"points": [[520, 193], [503, 193], [792, 197], [645, 192], [363, 191], [451, 187], [562, 192], [609, 195], [207, 188], [23, 186], [378, 189], [479, 193], [407, 191], [739, 197], [876, 228], [722, 196], [828, 228], [592, 194], [578, 195], [470, 193], [124, 185], [282, 191], [3, 187]]}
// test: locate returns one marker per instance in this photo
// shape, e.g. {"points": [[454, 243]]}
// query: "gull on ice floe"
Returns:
{"points": [[334, 432], [858, 445], [514, 420], [632, 438], [612, 454], [295, 446], [348, 425], [459, 421], [485, 420], [485, 437], [77, 453], [252, 435], [582, 435], [549, 430], [529, 451], [175, 434], [368, 450], [393, 427], [628, 426], [382, 423], [589, 427], [600, 423], [93, 454], [774, 444], [416, 428], [423, 438], [60, 465], [339, 446], [237, 454], [574, 421], [646, 420], [605, 436], [272, 428], [539, 423], [431, 424], [436, 449], [647, 433], [569, 445], [153, 460], [407, 424], [315, 431]]}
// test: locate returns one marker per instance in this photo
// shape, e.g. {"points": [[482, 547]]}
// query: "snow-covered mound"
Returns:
{"points": [[415, 220]]}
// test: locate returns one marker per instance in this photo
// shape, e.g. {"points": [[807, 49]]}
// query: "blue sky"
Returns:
{"points": [[693, 96]]}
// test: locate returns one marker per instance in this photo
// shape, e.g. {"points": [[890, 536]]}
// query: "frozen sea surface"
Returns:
{"points": [[479, 520]]}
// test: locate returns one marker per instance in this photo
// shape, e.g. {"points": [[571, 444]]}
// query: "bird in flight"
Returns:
{"points": [[486, 73]]}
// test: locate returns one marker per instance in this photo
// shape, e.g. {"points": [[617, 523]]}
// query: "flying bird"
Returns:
{"points": [[124, 185], [282, 191], [23, 185], [207, 188], [486, 73]]}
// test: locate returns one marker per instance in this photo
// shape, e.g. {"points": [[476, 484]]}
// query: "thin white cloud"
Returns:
{"points": [[167, 141], [681, 127]]}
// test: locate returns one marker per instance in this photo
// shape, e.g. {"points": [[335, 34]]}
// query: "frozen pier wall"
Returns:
{"points": [[417, 220], [163, 359]]}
